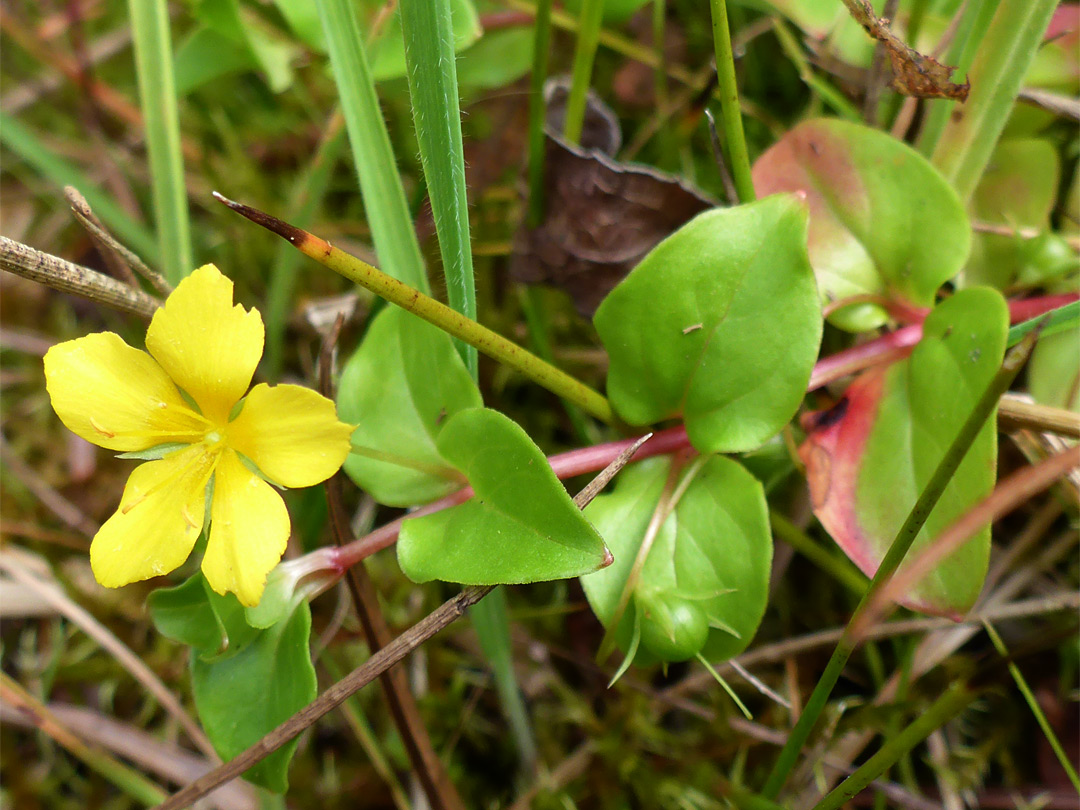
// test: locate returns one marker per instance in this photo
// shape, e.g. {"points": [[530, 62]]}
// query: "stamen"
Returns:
{"points": [[107, 433], [188, 519]]}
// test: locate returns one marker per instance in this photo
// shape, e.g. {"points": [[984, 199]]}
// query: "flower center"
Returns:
{"points": [[216, 438]]}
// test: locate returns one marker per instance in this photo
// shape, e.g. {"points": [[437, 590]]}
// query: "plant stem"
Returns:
{"points": [[431, 67], [52, 271], [734, 137], [924, 505], [1036, 710], [838, 567], [436, 313], [592, 12], [157, 96], [955, 698]]}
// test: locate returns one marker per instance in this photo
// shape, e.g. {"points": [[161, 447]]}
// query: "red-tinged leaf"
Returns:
{"points": [[870, 456], [883, 222]]}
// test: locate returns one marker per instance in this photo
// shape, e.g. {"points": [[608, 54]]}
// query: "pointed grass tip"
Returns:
{"points": [[296, 236]]}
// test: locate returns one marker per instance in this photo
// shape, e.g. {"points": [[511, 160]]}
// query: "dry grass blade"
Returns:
{"points": [[62, 275], [17, 564]]}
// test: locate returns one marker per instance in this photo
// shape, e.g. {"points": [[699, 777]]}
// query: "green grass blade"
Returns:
{"points": [[492, 622], [1050, 323], [541, 48], [592, 13], [60, 173], [1036, 709], [997, 73], [432, 71], [380, 184], [157, 96], [955, 698]]}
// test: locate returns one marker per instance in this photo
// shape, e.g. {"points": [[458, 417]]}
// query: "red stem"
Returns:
{"points": [[592, 459]]}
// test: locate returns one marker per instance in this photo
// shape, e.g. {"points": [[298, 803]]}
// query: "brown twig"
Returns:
{"points": [[875, 77], [376, 665], [1016, 413], [120, 259], [429, 769], [445, 615], [60, 274]]}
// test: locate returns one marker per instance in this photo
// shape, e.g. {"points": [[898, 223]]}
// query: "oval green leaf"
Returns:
{"points": [[241, 698], [883, 221], [1017, 190], [868, 459], [522, 526], [719, 324], [710, 558], [399, 388]]}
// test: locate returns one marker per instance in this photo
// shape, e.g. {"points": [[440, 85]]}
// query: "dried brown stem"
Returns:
{"points": [[60, 274], [120, 259], [1016, 413]]}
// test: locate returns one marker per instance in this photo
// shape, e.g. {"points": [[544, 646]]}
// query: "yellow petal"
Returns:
{"points": [[208, 346], [116, 396], [249, 527], [292, 434], [159, 519]]}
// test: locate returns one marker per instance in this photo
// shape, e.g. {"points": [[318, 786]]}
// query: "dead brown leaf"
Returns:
{"points": [[914, 74]]}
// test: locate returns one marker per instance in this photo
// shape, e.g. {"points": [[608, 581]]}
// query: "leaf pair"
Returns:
{"points": [[423, 434]]}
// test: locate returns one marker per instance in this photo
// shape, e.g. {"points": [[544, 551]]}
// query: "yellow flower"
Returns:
{"points": [[203, 352]]}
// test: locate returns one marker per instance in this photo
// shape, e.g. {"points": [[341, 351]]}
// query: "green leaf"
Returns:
{"points": [[302, 18], [1053, 373], [720, 324], [708, 566], [184, 614], [270, 52], [242, 697], [1018, 190], [499, 58], [829, 22], [206, 55], [192, 613], [868, 458], [522, 526], [399, 388], [883, 221]]}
